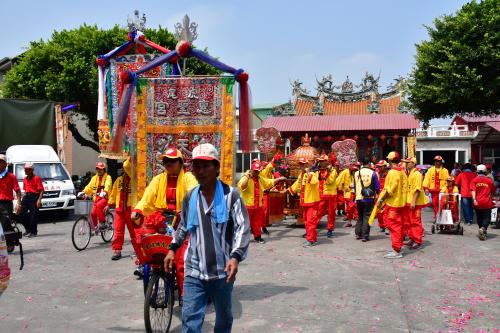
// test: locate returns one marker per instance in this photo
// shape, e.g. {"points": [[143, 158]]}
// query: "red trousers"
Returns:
{"points": [[310, 215], [256, 216], [412, 224], [328, 204], [265, 207], [380, 219], [393, 219], [340, 200], [435, 202], [122, 219], [179, 267], [351, 210], [97, 213]]}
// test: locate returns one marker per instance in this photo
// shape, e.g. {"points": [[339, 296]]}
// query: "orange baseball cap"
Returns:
{"points": [[410, 159], [171, 153], [100, 165], [438, 158], [381, 163], [393, 155]]}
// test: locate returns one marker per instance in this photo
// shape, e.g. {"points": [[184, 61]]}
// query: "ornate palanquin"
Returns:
{"points": [[182, 112]]}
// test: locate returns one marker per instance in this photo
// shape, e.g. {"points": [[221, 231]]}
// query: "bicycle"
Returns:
{"points": [[159, 285], [12, 234], [83, 228]]}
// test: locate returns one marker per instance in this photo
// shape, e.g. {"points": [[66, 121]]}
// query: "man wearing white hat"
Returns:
{"points": [[482, 189], [216, 219]]}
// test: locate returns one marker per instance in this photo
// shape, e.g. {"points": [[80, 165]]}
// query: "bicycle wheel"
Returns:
{"points": [[109, 232], [81, 233], [159, 303]]}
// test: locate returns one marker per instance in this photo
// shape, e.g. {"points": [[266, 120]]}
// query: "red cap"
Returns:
{"points": [[100, 165], [303, 160], [450, 178], [438, 158], [381, 163], [256, 166]]}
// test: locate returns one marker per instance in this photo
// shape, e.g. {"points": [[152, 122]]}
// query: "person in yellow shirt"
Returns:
{"points": [[120, 199], [350, 196], [327, 192], [435, 180], [415, 201], [164, 194], [307, 186], [340, 189], [252, 186], [449, 198], [99, 188], [394, 197]]}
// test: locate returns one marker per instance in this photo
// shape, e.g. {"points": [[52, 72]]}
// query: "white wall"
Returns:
{"points": [[445, 144]]}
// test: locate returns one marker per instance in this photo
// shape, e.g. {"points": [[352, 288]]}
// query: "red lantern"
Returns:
{"points": [[395, 137], [316, 139], [342, 137], [356, 137], [329, 139], [369, 137]]}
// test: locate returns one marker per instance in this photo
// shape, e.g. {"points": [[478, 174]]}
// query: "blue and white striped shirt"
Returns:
{"points": [[211, 245]]}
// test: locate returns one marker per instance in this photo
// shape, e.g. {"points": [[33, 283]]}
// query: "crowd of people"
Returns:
{"points": [[211, 222]]}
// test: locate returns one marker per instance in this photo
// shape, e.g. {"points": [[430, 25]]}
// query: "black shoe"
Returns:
{"points": [[365, 240], [139, 271], [260, 240], [265, 231], [382, 229], [117, 255], [304, 235]]}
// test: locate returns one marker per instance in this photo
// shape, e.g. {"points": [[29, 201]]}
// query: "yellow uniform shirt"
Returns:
{"points": [[415, 179], [248, 194], [344, 181], [330, 184], [155, 196], [93, 187], [114, 198], [430, 178], [307, 186], [396, 186]]}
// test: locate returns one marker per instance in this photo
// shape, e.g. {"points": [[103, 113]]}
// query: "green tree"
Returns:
{"points": [[63, 69], [457, 71]]}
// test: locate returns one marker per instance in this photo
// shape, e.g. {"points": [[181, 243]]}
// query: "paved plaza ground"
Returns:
{"points": [[452, 284]]}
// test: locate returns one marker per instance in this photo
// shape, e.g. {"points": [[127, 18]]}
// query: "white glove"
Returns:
{"points": [[80, 195], [102, 194]]}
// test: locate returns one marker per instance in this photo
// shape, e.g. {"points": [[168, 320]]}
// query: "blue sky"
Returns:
{"points": [[275, 41]]}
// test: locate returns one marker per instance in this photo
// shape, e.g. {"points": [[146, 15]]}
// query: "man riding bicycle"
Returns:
{"points": [[98, 188], [164, 194]]}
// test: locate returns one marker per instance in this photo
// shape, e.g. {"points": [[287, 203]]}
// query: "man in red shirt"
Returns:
{"points": [[463, 182], [32, 200], [482, 189], [8, 185]]}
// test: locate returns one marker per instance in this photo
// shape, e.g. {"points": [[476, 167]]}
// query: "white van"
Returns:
{"points": [[59, 191]]}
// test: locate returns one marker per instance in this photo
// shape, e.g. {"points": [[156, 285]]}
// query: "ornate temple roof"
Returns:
{"points": [[346, 99]]}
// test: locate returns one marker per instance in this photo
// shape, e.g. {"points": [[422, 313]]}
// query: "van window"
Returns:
{"points": [[46, 171]]}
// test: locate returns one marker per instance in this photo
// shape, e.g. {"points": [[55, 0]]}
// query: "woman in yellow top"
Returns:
{"points": [[99, 188], [252, 186], [435, 180], [415, 201], [394, 197], [307, 187]]}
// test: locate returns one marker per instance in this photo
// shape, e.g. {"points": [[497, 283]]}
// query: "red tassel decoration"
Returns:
{"points": [[244, 123]]}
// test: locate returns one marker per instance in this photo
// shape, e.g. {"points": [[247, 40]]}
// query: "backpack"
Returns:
{"points": [[366, 191]]}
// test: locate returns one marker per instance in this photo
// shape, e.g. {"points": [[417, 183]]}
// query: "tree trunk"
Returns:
{"points": [[80, 139]]}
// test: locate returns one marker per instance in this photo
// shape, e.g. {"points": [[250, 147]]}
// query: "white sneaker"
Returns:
{"points": [[393, 255]]}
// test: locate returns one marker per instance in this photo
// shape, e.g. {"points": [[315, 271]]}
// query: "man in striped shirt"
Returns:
{"points": [[214, 216]]}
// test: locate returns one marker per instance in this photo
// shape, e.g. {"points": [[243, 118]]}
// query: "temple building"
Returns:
{"points": [[376, 120]]}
